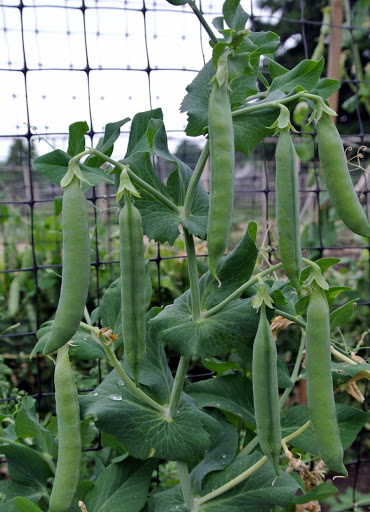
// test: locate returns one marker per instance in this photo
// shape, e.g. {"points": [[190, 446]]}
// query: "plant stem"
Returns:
{"points": [[151, 190], [203, 21], [195, 305], [268, 104], [121, 372], [240, 478], [185, 485], [240, 290], [194, 180], [295, 371], [288, 316]]}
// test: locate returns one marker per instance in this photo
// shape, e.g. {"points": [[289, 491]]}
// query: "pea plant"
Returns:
{"points": [[237, 442]]}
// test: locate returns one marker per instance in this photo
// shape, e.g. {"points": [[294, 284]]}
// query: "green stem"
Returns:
{"points": [[203, 21], [193, 183], [267, 104], [240, 478], [185, 485], [240, 290], [249, 447], [295, 372], [195, 305], [121, 372], [151, 190], [293, 318]]}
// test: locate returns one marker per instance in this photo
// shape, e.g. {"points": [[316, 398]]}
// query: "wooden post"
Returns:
{"points": [[335, 48]]}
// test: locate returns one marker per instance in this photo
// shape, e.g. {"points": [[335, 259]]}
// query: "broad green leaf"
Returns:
{"points": [[342, 315], [323, 263], [177, 2], [138, 132], [143, 430], [242, 87], [27, 425], [320, 492], [25, 505], [54, 166], [211, 336], [219, 455], [231, 393], [106, 144], [350, 421], [325, 87], [76, 141], [25, 466], [219, 366], [306, 75], [275, 69], [234, 15], [10, 490], [261, 491], [125, 483]]}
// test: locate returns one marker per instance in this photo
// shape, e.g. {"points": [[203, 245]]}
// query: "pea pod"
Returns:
{"points": [[287, 208], [337, 177], [132, 286], [69, 435], [320, 396], [76, 267], [222, 163], [265, 391]]}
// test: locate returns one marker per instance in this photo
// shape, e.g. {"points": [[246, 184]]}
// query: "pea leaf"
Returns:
{"points": [[234, 14], [25, 505], [211, 336], [231, 393], [143, 430], [342, 314], [343, 372], [323, 263], [306, 74], [106, 143], [122, 482], [318, 493], [10, 490], [76, 141]]}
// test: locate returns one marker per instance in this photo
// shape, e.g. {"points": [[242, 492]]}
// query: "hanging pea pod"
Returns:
{"points": [[320, 396], [222, 163], [132, 285], [337, 178], [76, 267], [69, 435], [287, 208], [265, 385]]}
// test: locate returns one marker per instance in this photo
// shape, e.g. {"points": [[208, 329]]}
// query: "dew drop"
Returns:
{"points": [[120, 382], [115, 397], [94, 394], [224, 456], [218, 405]]}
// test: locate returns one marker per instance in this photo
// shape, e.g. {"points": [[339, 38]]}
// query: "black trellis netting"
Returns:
{"points": [[99, 61]]}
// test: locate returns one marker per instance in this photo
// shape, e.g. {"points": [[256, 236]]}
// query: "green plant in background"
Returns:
{"points": [[151, 421]]}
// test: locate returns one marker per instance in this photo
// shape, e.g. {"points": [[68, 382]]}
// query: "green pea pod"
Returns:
{"points": [[76, 267], [133, 286], [287, 208], [69, 435], [320, 396], [222, 163], [337, 177], [266, 392]]}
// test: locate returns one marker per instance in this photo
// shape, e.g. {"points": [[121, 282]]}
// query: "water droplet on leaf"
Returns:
{"points": [[115, 397]]}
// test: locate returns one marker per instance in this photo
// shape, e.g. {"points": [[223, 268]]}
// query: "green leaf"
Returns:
{"points": [[219, 455], [25, 505], [306, 74], [234, 14], [231, 393], [342, 315], [275, 69], [318, 493], [106, 144], [350, 421], [27, 425], [125, 483], [325, 87], [210, 337], [143, 430], [220, 367], [76, 141], [10, 490], [25, 466], [54, 166], [177, 2]]}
